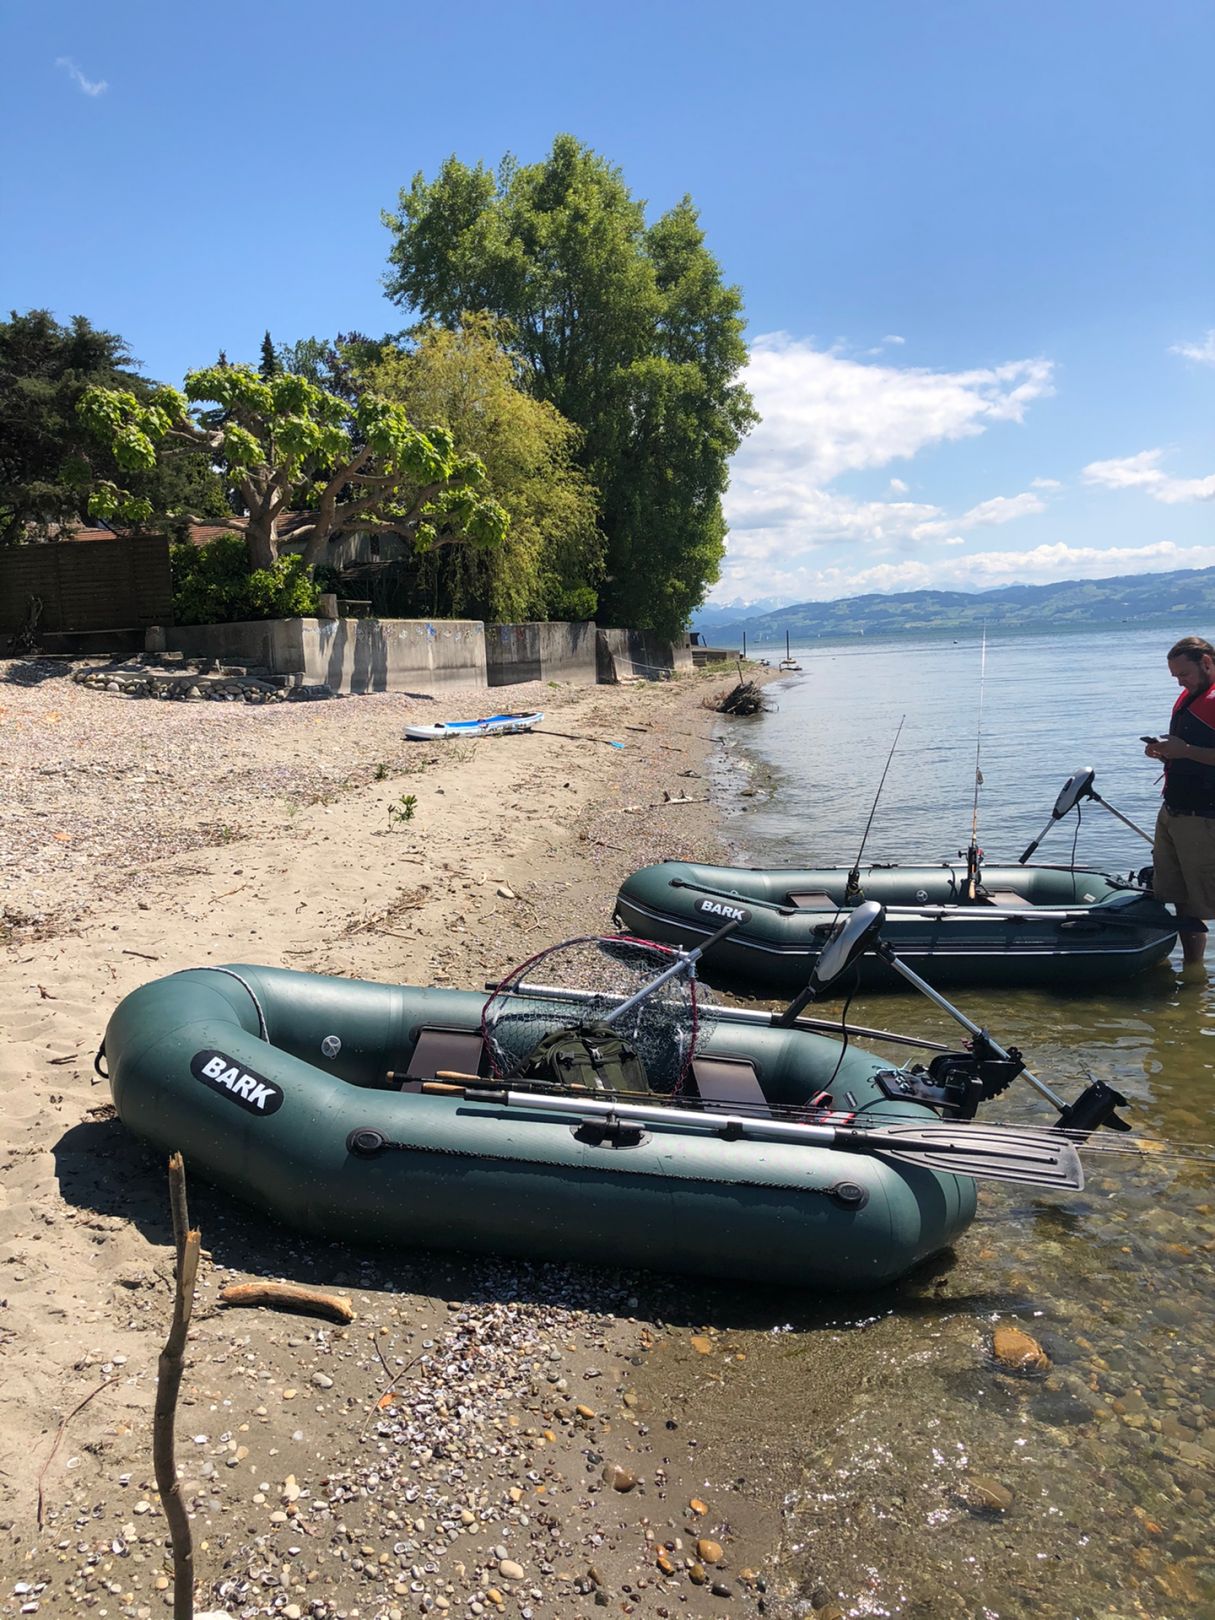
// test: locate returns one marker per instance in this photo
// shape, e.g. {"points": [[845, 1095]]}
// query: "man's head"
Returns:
{"points": [[1192, 663]]}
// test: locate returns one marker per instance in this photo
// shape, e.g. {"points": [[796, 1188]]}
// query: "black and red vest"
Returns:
{"points": [[1187, 784]]}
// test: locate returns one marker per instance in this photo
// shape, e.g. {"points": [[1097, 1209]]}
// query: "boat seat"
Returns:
{"points": [[725, 1082], [813, 900], [1009, 898], [462, 1051]]}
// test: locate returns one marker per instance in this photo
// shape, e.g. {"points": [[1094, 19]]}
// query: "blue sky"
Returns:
{"points": [[976, 242]]}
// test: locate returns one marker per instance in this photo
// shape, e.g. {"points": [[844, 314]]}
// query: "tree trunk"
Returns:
{"points": [[261, 542]]}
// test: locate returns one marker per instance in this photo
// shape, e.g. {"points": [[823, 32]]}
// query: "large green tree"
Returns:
{"points": [[551, 559], [287, 447], [627, 330], [48, 462]]}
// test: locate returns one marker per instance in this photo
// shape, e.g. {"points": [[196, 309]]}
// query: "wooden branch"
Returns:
{"points": [[289, 1297], [60, 1432], [168, 1384]]}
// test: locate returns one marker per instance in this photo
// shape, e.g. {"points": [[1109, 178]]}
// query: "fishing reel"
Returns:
{"points": [[956, 1083]]}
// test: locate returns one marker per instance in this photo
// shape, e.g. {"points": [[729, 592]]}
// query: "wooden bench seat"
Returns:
{"points": [[813, 900], [1009, 898]]}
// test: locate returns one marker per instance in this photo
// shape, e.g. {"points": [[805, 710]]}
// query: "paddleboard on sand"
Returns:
{"points": [[493, 725]]}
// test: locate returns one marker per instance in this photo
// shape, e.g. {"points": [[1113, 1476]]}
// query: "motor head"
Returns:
{"points": [[1079, 785], [851, 937]]}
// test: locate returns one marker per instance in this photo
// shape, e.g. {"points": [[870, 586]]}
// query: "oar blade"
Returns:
{"points": [[993, 1153]]}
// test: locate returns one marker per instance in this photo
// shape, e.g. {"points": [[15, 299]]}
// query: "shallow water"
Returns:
{"points": [[1109, 1456]]}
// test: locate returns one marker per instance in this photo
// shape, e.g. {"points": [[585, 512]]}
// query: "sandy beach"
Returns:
{"points": [[452, 1450]]}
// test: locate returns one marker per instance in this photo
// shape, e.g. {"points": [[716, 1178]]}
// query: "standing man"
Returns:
{"points": [[1184, 849]]}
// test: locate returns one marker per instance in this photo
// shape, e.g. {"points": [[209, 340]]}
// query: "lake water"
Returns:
{"points": [[1109, 1458]]}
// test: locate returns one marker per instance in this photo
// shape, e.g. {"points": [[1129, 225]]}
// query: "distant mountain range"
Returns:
{"points": [[1185, 599]]}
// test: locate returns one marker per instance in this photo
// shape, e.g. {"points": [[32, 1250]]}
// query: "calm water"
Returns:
{"points": [[1110, 1457]]}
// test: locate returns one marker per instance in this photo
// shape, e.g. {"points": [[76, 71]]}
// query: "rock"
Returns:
{"points": [[698, 1575], [510, 1570], [702, 1345], [322, 1380], [1017, 1351], [988, 1495], [709, 1551], [664, 1562], [618, 1478], [698, 1507]]}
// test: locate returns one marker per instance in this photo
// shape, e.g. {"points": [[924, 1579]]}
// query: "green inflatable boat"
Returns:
{"points": [[395, 1115], [1049, 925]]}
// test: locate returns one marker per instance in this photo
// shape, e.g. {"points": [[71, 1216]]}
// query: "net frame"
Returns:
{"points": [[695, 1026]]}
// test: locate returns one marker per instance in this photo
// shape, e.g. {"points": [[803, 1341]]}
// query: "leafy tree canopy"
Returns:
{"points": [[467, 380], [626, 329], [48, 463], [286, 445]]}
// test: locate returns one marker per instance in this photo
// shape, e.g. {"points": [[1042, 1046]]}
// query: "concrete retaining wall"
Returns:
{"points": [[394, 655], [636, 655], [417, 655], [540, 652]]}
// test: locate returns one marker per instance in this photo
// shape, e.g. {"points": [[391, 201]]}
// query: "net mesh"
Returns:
{"points": [[585, 982]]}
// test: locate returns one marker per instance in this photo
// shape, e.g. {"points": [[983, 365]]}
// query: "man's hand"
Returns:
{"points": [[1166, 748]]}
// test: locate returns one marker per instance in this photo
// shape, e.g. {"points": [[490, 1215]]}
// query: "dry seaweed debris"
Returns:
{"points": [[745, 698]]}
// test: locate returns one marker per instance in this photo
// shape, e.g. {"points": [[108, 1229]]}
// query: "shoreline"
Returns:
{"points": [[155, 837]]}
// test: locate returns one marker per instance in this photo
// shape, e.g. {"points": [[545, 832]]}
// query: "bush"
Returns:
{"points": [[213, 584]]}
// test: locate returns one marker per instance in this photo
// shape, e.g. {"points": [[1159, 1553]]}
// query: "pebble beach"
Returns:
{"points": [[480, 1438]]}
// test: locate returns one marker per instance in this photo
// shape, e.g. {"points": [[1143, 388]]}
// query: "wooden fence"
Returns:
{"points": [[119, 584]]}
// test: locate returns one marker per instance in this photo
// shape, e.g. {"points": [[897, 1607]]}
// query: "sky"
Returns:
{"points": [[975, 241]]}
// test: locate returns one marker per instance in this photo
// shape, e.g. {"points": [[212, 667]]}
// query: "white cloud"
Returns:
{"points": [[898, 487], [981, 570], [824, 414], [1143, 471], [1045, 483], [1203, 353], [91, 87], [1002, 509], [893, 337]]}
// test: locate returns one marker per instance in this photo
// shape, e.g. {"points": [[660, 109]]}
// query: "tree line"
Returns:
{"points": [[576, 368]]}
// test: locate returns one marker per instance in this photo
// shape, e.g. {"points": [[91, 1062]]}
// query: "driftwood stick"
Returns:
{"points": [[168, 1384], [289, 1297], [79, 1407]]}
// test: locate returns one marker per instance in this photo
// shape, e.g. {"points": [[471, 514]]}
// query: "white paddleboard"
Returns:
{"points": [[493, 725]]}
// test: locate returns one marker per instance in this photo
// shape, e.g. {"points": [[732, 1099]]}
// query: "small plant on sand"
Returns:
{"points": [[381, 771], [402, 810]]}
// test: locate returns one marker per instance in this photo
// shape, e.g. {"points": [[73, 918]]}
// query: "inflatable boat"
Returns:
{"points": [[1049, 925], [386, 1114]]}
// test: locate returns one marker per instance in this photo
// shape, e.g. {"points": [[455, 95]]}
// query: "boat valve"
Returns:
{"points": [[1093, 1108], [365, 1142]]}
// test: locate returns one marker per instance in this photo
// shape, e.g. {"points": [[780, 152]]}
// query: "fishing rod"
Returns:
{"points": [[973, 853], [852, 889]]}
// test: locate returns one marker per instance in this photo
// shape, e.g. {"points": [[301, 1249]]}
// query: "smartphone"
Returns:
{"points": [[1151, 739]]}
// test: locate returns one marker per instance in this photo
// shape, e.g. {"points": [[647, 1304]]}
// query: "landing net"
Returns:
{"points": [[581, 984]]}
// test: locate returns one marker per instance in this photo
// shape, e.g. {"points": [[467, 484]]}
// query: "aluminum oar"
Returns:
{"points": [[1030, 1157]]}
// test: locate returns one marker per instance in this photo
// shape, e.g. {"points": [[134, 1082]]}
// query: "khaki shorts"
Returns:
{"points": [[1183, 862]]}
